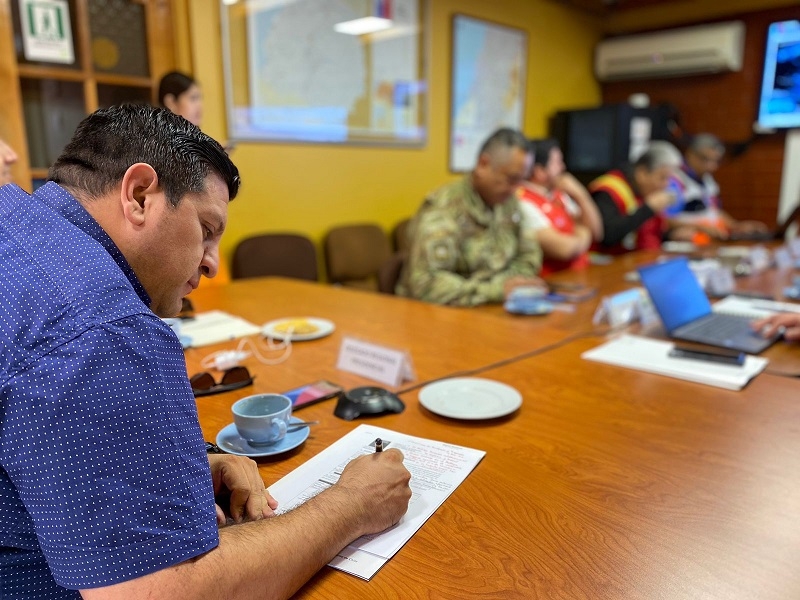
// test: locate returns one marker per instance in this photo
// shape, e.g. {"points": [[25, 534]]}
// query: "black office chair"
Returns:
{"points": [[276, 254], [354, 253]]}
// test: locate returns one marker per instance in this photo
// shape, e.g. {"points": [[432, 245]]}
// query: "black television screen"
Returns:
{"points": [[590, 140], [779, 106]]}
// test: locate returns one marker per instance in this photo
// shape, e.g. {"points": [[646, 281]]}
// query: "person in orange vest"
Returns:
{"points": [[631, 200], [559, 209]]}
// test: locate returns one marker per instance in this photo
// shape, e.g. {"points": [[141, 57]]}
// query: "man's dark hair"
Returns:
{"points": [[541, 150], [174, 83], [504, 139], [110, 140], [706, 141]]}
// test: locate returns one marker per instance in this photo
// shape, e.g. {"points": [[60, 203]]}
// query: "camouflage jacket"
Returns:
{"points": [[461, 251]]}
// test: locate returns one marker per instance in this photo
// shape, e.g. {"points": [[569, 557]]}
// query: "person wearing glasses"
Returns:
{"points": [[697, 209], [106, 487], [467, 242]]}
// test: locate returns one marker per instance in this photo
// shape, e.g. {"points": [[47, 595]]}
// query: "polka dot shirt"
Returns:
{"points": [[103, 472]]}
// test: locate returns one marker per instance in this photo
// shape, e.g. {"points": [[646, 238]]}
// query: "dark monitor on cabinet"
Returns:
{"points": [[596, 140], [779, 104], [590, 138]]}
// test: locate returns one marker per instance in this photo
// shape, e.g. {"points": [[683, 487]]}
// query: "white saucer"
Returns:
{"points": [[324, 327], [231, 442], [470, 398]]}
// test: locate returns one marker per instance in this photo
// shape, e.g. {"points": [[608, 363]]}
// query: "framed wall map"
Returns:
{"points": [[292, 76], [489, 63]]}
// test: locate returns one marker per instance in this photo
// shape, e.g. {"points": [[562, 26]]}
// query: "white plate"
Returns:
{"points": [[231, 442], [324, 327], [470, 398]]}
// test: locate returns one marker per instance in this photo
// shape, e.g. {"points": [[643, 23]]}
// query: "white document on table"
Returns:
{"points": [[215, 326], [437, 469], [646, 354], [755, 308]]}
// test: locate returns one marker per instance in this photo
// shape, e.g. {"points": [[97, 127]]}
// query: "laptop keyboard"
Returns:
{"points": [[718, 327]]}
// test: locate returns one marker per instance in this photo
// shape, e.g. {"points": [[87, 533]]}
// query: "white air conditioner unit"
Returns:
{"points": [[690, 50]]}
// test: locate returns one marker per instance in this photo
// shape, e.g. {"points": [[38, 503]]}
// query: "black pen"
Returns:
{"points": [[379, 445]]}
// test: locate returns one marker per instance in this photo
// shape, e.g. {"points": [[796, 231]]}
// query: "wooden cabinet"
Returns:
{"points": [[120, 49]]}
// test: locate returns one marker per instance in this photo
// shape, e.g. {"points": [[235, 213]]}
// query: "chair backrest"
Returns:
{"points": [[354, 253], [277, 254], [389, 272], [400, 236]]}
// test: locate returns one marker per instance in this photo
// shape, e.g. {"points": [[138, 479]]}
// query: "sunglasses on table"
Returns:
{"points": [[204, 384]]}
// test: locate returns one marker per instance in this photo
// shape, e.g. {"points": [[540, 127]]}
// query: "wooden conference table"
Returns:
{"points": [[606, 483]]}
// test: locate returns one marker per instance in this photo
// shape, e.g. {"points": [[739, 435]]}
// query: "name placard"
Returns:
{"points": [[386, 365]]}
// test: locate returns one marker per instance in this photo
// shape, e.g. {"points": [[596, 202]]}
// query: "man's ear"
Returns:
{"points": [[139, 182]]}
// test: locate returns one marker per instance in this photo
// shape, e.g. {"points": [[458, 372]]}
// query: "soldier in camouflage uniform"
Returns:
{"points": [[467, 242]]}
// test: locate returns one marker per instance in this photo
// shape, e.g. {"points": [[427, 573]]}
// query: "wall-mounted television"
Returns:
{"points": [[779, 105]]}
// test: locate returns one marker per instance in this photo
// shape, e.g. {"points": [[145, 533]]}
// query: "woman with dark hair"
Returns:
{"points": [[181, 94]]}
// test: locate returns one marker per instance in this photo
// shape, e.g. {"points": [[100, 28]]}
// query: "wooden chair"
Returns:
{"points": [[276, 254], [400, 236], [354, 253], [389, 272]]}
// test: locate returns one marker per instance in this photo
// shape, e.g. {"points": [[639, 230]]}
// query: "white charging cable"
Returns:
{"points": [[223, 360]]}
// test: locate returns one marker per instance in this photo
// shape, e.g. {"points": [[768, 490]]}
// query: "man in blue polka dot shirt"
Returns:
{"points": [[105, 487]]}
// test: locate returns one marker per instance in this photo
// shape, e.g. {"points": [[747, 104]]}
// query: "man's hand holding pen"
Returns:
{"points": [[380, 483]]}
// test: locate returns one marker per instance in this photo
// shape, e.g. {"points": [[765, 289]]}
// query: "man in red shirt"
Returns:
{"points": [[559, 209]]}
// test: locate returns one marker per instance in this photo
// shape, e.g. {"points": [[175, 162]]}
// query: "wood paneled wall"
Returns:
{"points": [[726, 104]]}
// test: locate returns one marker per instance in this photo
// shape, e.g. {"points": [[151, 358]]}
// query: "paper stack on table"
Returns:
{"points": [[646, 354], [212, 327], [755, 308]]}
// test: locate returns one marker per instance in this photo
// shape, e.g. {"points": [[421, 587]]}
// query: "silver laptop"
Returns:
{"points": [[686, 312]]}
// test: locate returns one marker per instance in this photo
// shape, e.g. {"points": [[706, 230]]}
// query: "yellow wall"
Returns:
{"points": [[683, 12], [308, 188]]}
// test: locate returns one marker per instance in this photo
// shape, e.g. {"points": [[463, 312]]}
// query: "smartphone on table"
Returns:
{"points": [[311, 393], [717, 355]]}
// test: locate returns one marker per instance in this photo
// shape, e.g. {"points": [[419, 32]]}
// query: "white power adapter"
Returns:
{"points": [[227, 359]]}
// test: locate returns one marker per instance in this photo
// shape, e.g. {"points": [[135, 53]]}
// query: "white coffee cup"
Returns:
{"points": [[262, 419]]}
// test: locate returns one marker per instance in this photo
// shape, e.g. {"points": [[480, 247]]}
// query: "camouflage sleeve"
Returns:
{"points": [[435, 256], [528, 261]]}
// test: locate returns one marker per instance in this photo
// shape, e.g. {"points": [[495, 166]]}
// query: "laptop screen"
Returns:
{"points": [[675, 291]]}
